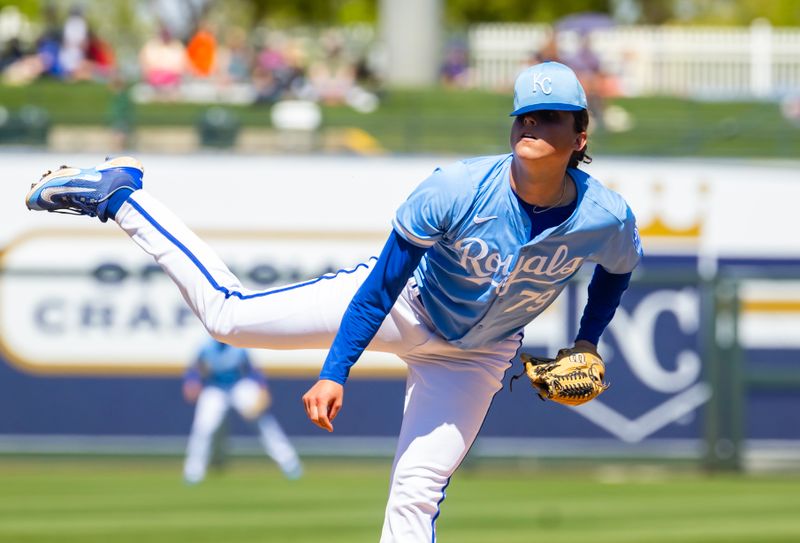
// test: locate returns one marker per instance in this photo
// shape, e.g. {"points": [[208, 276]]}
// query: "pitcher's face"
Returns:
{"points": [[546, 133]]}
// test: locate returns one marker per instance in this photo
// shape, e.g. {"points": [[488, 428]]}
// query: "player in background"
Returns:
{"points": [[478, 250], [222, 377]]}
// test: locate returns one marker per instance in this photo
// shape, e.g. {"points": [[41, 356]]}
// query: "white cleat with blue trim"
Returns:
{"points": [[85, 192]]}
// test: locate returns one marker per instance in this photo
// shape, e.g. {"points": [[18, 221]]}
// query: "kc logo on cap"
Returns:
{"points": [[549, 85], [544, 83]]}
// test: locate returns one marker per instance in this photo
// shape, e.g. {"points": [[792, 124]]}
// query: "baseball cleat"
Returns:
{"points": [[85, 192]]}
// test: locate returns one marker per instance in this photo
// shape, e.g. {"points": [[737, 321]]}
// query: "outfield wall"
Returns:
{"points": [[93, 337]]}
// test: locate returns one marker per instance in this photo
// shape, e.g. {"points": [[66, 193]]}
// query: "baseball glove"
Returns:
{"points": [[571, 378], [250, 398]]}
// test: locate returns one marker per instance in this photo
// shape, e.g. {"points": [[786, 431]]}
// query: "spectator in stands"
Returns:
{"points": [[98, 60], [48, 47], [43, 62], [99, 56], [12, 52], [163, 61], [367, 76], [332, 76], [294, 77], [235, 57], [586, 65], [280, 71], [201, 51], [547, 52], [49, 43], [74, 42], [455, 68], [270, 63]]}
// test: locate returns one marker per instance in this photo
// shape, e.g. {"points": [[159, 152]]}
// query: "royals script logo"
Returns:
{"points": [[485, 267]]}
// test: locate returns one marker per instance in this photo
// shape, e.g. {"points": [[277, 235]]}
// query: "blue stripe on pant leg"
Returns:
{"points": [[228, 293], [439, 510], [444, 488]]}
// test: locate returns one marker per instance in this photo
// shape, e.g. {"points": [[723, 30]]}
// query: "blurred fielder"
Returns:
{"points": [[477, 251], [222, 377]]}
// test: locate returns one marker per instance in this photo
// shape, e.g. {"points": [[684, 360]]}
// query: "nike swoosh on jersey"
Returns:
{"points": [[49, 192], [479, 220]]}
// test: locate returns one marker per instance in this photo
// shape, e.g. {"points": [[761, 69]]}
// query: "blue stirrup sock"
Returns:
{"points": [[116, 201]]}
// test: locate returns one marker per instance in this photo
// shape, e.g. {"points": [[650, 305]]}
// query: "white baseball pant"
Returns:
{"points": [[448, 390], [212, 406]]}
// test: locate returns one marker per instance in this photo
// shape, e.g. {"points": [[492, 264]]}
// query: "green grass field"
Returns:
{"points": [[121, 501], [466, 122]]}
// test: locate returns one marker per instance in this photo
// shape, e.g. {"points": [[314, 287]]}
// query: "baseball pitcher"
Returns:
{"points": [[479, 250]]}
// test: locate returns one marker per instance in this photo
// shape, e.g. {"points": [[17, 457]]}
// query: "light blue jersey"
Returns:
{"points": [[482, 278], [221, 365]]}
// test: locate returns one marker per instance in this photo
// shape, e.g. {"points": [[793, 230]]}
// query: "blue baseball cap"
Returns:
{"points": [[549, 85]]}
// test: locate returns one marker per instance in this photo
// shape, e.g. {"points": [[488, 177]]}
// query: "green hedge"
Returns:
{"points": [[463, 122]]}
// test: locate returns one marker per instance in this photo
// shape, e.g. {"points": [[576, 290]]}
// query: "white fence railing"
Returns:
{"points": [[744, 62]]}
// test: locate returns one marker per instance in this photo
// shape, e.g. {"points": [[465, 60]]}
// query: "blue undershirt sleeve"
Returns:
{"points": [[605, 293], [193, 372], [370, 305]]}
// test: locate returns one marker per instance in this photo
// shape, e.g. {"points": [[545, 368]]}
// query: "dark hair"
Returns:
{"points": [[581, 118]]}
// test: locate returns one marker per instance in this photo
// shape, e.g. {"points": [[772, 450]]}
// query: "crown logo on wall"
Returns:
{"points": [[659, 229], [654, 225]]}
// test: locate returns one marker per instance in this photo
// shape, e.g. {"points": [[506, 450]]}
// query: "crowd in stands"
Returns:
{"points": [[232, 65], [71, 50], [250, 66]]}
